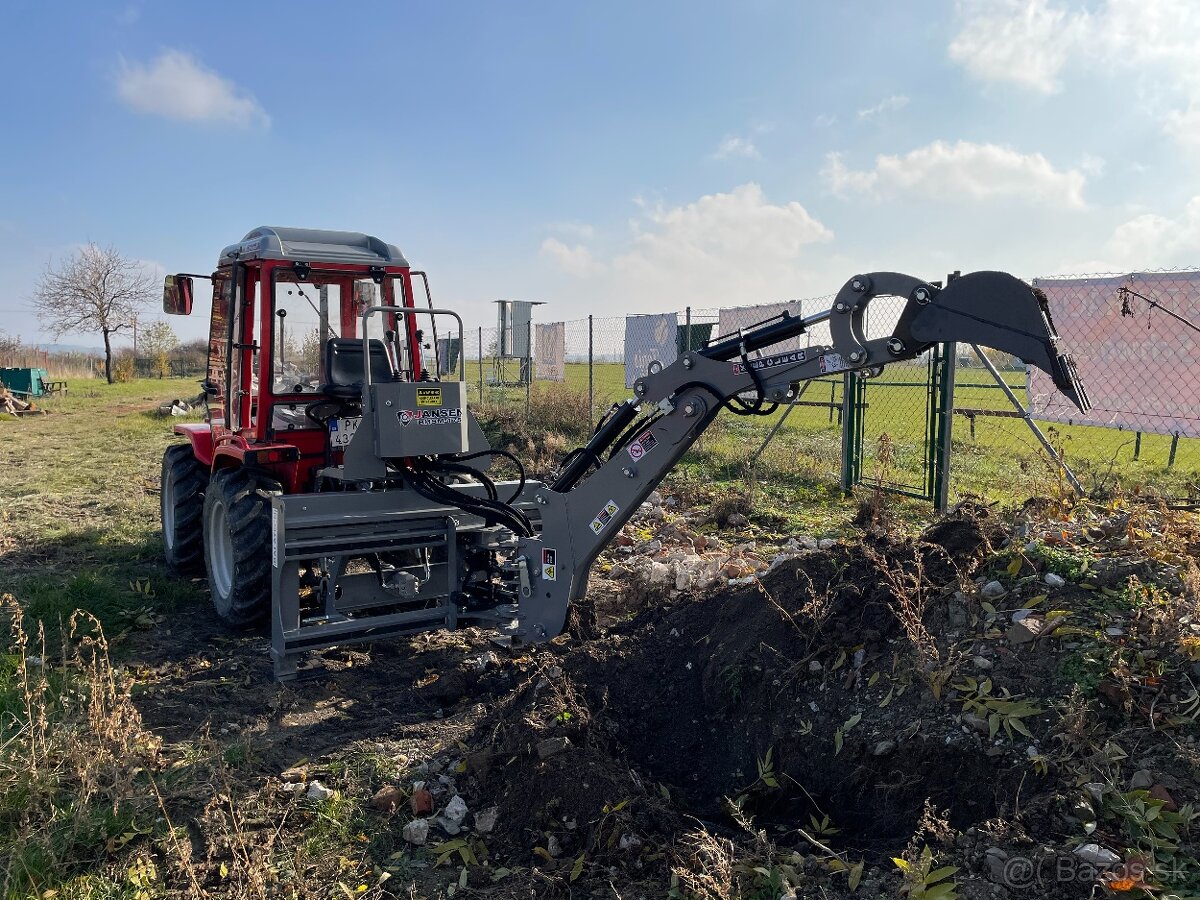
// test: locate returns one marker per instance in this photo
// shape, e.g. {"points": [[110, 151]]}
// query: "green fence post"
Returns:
{"points": [[591, 373], [940, 456], [480, 363], [852, 396]]}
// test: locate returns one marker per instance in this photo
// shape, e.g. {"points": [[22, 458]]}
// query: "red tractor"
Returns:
{"points": [[284, 382]]}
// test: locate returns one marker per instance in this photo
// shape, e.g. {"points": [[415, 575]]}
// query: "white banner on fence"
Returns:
{"points": [[649, 338], [550, 351], [744, 316], [1142, 372]]}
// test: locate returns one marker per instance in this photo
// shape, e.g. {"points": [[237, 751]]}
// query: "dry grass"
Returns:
{"points": [[74, 759]]}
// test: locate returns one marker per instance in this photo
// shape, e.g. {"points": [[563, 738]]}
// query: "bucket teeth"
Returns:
{"points": [[997, 310]]}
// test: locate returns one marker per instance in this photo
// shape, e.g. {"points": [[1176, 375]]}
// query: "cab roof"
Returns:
{"points": [[312, 245]]}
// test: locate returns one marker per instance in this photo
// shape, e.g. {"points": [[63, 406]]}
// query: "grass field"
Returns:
{"points": [[110, 771]]}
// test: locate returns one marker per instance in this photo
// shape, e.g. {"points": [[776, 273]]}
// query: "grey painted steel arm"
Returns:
{"points": [[680, 400]]}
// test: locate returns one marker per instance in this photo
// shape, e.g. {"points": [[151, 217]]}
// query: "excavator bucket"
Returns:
{"points": [[996, 310]]}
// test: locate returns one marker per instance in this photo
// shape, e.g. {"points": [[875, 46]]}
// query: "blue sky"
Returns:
{"points": [[607, 158]]}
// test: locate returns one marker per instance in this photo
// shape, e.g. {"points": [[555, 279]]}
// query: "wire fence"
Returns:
{"points": [[1140, 365]]}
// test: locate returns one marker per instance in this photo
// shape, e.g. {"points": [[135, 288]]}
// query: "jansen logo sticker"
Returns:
{"points": [[605, 516], [429, 396], [430, 416], [549, 564]]}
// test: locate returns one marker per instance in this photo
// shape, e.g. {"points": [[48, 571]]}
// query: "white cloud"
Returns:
{"points": [[893, 103], [1031, 42], [176, 86], [576, 260], [1151, 241], [1184, 126], [825, 120], [723, 248], [1023, 41], [961, 171], [1092, 166], [733, 146]]}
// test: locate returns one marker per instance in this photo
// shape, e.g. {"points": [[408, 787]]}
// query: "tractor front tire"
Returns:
{"points": [[237, 544], [181, 503]]}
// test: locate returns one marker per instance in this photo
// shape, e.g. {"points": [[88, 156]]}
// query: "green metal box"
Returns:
{"points": [[29, 382]]}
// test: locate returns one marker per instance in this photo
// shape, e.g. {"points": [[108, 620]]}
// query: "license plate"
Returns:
{"points": [[341, 430]]}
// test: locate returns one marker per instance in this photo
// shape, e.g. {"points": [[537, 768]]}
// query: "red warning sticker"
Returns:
{"points": [[641, 445]]}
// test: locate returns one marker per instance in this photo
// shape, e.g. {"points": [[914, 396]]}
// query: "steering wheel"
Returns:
{"points": [[322, 411]]}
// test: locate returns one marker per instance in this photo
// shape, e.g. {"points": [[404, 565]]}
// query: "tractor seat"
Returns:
{"points": [[344, 367]]}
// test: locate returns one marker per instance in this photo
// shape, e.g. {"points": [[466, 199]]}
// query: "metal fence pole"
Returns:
{"points": [[687, 330], [591, 374], [851, 461], [1028, 417], [945, 427], [528, 364], [480, 363]]}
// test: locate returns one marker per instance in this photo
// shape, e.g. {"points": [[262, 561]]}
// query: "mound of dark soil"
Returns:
{"points": [[788, 694]]}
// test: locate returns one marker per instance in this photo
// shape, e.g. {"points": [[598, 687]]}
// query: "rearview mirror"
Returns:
{"points": [[177, 295]]}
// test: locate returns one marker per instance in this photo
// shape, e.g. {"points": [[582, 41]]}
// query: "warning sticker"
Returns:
{"points": [[429, 396], [605, 516], [549, 564], [641, 445], [832, 362]]}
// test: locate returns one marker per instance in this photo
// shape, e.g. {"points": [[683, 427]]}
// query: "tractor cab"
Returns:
{"points": [[301, 321]]}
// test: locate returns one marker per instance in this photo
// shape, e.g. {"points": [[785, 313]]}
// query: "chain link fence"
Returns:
{"points": [[1136, 341], [1144, 430]]}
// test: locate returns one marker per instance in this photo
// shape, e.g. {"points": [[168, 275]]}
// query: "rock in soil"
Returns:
{"points": [[388, 798], [416, 832]]}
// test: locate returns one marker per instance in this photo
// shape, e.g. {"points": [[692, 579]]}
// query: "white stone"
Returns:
{"points": [[629, 842], [1098, 856], [992, 590], [485, 819], [416, 832], [318, 791], [826, 544], [1054, 580], [658, 573]]}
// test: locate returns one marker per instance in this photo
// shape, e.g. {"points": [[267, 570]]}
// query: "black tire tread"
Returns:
{"points": [[247, 496], [190, 478]]}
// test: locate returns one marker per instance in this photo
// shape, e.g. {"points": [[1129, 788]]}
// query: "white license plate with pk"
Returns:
{"points": [[342, 429]]}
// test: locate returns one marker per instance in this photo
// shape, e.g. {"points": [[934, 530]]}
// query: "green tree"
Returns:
{"points": [[158, 341]]}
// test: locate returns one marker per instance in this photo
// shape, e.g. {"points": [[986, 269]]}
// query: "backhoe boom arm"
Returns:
{"points": [[640, 440]]}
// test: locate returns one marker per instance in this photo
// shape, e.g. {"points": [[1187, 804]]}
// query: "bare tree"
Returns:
{"points": [[95, 289]]}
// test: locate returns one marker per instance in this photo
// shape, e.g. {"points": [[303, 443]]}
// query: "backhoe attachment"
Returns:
{"points": [[994, 309], [990, 309]]}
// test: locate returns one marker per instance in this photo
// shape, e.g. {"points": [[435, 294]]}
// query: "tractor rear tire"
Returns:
{"points": [[237, 544], [181, 503]]}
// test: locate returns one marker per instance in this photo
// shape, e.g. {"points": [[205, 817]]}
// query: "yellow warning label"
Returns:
{"points": [[429, 396]]}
